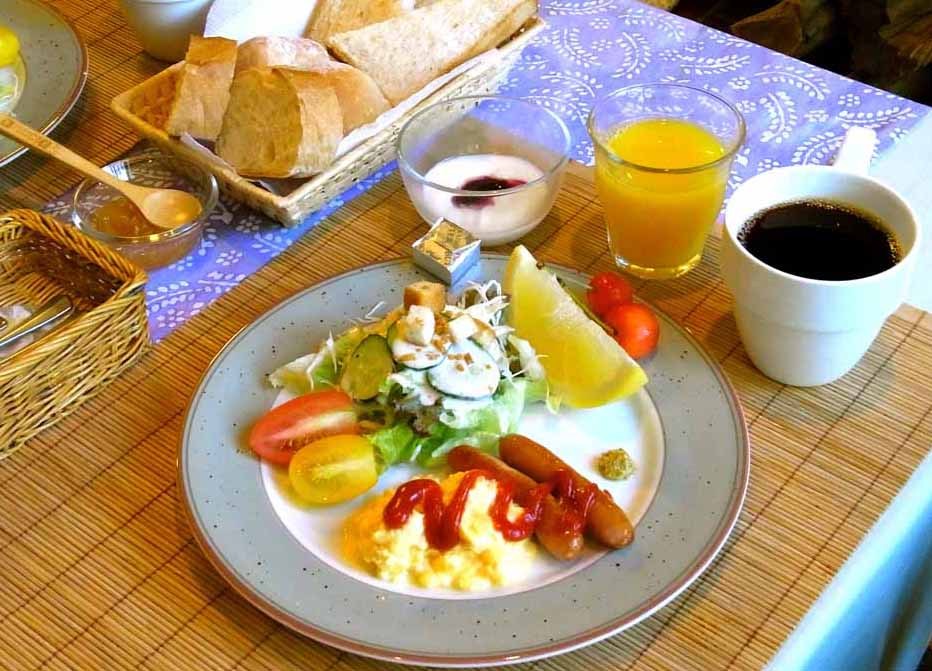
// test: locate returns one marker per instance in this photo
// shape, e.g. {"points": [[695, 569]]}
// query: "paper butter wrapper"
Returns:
{"points": [[282, 187]]}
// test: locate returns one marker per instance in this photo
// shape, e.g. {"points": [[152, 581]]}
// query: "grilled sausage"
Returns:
{"points": [[607, 523], [559, 540]]}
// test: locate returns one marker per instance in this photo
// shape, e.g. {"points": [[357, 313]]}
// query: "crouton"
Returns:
{"points": [[429, 294]]}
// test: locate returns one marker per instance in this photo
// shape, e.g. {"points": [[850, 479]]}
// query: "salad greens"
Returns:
{"points": [[454, 375]]}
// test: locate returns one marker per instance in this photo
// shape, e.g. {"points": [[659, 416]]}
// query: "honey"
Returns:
{"points": [[120, 217]]}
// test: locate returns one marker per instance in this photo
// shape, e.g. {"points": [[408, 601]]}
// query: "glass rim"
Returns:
{"points": [[547, 174], [83, 223], [727, 156]]}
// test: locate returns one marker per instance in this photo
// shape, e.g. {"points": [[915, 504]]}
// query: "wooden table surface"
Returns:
{"points": [[99, 567]]}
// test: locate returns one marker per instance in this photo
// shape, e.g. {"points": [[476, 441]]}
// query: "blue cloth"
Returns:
{"points": [[877, 611]]}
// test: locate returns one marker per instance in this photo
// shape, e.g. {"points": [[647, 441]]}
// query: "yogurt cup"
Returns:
{"points": [[489, 164]]}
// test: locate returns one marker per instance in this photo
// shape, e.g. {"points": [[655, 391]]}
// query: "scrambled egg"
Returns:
{"points": [[482, 559]]}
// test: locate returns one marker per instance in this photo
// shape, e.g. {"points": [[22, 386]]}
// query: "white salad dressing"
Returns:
{"points": [[497, 219]]}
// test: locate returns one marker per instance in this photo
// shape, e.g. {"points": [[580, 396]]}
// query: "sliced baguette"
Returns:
{"points": [[405, 53], [360, 99], [280, 123], [340, 16], [202, 89], [281, 52]]}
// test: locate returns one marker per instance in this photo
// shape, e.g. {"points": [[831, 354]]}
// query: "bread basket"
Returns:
{"points": [[43, 382], [145, 107]]}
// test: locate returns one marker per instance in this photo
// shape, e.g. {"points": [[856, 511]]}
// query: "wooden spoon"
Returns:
{"points": [[165, 208]]}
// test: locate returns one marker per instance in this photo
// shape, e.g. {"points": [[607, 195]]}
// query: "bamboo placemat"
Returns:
{"points": [[100, 571]]}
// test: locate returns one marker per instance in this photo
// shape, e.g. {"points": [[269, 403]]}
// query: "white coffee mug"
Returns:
{"points": [[807, 332]]}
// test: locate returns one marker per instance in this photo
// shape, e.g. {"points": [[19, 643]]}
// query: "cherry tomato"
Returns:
{"points": [[606, 291], [636, 328], [609, 280], [284, 430], [333, 469]]}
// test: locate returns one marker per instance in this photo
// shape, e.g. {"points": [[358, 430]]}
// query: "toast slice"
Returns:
{"points": [[280, 123], [281, 52], [202, 89], [405, 53], [360, 99], [340, 16]]}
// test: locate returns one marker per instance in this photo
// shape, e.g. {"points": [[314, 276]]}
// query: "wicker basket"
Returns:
{"points": [[41, 258], [145, 107]]}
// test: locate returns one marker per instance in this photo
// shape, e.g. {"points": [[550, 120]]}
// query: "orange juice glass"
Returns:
{"points": [[663, 153]]}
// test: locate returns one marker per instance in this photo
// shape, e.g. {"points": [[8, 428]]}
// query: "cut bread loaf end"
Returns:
{"points": [[280, 123], [202, 88]]}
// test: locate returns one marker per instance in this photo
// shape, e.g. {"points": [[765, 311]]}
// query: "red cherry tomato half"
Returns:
{"points": [[636, 328], [285, 429]]}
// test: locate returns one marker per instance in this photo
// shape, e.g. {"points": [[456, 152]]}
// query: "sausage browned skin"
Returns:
{"points": [[559, 541], [607, 523]]}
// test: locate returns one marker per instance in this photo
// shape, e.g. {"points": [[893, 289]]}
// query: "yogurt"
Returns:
{"points": [[493, 219]]}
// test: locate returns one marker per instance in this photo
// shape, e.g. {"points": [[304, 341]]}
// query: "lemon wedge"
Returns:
{"points": [[9, 46], [584, 365]]}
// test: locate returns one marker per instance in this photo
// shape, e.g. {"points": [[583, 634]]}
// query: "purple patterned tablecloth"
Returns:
{"points": [[795, 114]]}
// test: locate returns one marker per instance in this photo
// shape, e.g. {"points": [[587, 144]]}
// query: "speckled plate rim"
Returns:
{"points": [[73, 94], [588, 637]]}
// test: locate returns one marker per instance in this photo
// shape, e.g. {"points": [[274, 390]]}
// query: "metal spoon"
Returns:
{"points": [[51, 311], [165, 208]]}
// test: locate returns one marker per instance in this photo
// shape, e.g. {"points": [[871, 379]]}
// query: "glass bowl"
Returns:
{"points": [[157, 249], [490, 164]]}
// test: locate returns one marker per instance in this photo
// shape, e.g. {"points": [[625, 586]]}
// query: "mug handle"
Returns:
{"points": [[857, 150]]}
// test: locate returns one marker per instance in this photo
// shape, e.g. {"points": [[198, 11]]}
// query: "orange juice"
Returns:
{"points": [[659, 202]]}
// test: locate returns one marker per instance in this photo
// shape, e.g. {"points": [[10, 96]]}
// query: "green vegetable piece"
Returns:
{"points": [[368, 365], [615, 465], [393, 444]]}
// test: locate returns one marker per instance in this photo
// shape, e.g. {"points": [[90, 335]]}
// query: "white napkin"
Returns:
{"points": [[241, 20]]}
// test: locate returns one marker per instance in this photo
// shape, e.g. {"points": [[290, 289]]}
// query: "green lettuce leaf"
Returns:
{"points": [[316, 370], [394, 444]]}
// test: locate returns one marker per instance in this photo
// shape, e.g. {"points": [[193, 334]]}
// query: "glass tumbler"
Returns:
{"points": [[663, 153]]}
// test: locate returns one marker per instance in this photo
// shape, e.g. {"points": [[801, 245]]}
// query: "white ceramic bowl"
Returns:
{"points": [[487, 136]]}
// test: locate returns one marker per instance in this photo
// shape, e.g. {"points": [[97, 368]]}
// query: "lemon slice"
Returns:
{"points": [[584, 365]]}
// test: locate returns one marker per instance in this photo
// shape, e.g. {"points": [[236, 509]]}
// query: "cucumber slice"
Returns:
{"points": [[467, 372], [366, 368], [418, 357]]}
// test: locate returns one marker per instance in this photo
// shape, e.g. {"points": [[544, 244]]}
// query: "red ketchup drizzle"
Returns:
{"points": [[442, 522], [484, 183]]}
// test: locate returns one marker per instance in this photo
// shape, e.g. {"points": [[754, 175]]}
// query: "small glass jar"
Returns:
{"points": [[152, 170]]}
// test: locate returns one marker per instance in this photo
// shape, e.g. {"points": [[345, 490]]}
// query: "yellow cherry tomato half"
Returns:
{"points": [[333, 469], [9, 47]]}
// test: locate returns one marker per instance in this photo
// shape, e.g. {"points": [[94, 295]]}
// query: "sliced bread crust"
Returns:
{"points": [[360, 99], [339, 16], [202, 89], [281, 52], [405, 53]]}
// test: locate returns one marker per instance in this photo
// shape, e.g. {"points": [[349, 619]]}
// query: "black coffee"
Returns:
{"points": [[820, 240]]}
